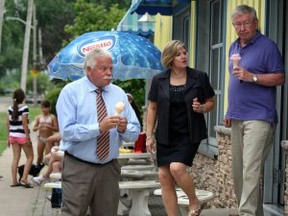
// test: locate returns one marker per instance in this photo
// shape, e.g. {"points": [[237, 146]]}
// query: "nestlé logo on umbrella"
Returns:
{"points": [[105, 42]]}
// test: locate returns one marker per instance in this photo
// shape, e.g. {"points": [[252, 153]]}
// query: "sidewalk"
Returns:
{"points": [[20, 201]]}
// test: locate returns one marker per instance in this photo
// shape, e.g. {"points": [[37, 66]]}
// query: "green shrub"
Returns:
{"points": [[52, 96]]}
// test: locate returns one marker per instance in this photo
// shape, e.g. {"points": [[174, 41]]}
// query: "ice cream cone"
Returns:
{"points": [[119, 107], [235, 58]]}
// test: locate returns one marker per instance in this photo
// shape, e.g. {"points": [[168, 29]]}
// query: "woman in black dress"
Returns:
{"points": [[177, 100]]}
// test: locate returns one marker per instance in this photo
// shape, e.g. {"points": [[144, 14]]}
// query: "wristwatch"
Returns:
{"points": [[255, 78]]}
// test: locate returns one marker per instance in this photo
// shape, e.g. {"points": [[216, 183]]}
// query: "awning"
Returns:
{"points": [[130, 23], [153, 7]]}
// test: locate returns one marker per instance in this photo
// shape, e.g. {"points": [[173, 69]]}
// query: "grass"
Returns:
{"points": [[34, 111], [3, 132]]}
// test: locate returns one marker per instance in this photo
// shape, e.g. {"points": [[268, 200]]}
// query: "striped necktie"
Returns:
{"points": [[103, 139]]}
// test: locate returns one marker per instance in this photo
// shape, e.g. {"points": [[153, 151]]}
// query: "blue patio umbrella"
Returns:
{"points": [[134, 57]]}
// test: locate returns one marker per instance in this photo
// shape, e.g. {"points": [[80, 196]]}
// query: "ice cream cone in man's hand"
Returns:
{"points": [[119, 107], [235, 58]]}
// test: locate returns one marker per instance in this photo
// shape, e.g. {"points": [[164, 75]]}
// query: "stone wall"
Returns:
{"points": [[214, 174], [284, 145]]}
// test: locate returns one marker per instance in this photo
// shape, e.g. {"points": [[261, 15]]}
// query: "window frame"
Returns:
{"points": [[204, 62]]}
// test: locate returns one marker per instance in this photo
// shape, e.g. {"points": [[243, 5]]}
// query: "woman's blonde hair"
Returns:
{"points": [[170, 51]]}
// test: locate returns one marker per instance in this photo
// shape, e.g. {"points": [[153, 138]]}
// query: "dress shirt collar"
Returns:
{"points": [[91, 87]]}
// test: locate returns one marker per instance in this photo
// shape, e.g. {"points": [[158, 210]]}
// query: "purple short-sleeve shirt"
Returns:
{"points": [[248, 100]]}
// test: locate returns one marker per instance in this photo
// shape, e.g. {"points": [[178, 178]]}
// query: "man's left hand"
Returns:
{"points": [[121, 128]]}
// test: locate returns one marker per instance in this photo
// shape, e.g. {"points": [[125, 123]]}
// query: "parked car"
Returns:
{"points": [[30, 99]]}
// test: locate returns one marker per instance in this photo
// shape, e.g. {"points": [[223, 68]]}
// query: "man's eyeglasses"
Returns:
{"points": [[246, 24]]}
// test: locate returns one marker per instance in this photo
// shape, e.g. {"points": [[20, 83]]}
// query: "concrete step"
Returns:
{"points": [[218, 212]]}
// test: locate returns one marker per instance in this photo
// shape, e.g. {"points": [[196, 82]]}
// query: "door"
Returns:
{"points": [[274, 177]]}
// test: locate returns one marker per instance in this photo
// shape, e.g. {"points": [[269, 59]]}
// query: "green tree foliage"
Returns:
{"points": [[12, 40], [52, 97], [52, 17], [94, 17], [136, 87], [42, 83], [123, 4], [10, 81], [60, 22]]}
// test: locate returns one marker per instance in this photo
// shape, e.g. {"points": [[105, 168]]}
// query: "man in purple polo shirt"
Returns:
{"points": [[256, 68]]}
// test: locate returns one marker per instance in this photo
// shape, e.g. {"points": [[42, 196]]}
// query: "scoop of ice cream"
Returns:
{"points": [[235, 58], [119, 107]]}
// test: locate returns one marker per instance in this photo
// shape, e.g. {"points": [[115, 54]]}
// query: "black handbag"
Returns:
{"points": [[34, 171]]}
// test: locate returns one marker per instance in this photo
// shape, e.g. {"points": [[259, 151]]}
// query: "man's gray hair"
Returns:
{"points": [[244, 9], [89, 60]]}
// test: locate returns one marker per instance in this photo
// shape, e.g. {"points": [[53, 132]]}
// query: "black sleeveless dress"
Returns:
{"points": [[180, 148]]}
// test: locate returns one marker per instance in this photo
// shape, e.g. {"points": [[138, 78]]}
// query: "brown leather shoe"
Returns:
{"points": [[233, 214]]}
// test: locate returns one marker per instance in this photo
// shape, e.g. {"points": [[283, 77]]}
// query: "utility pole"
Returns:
{"points": [[24, 67], [35, 60], [2, 8], [40, 47]]}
